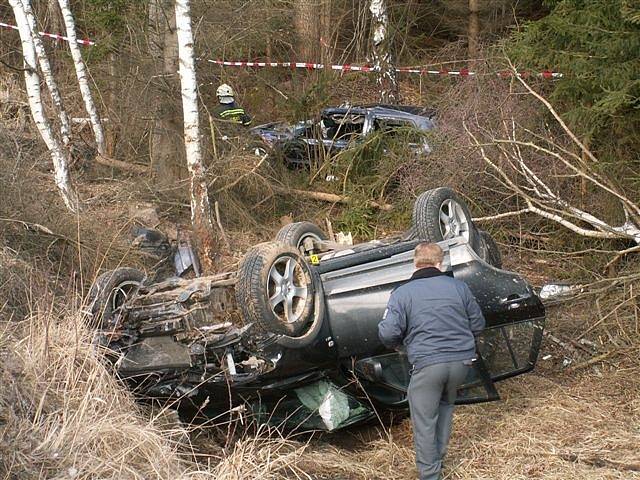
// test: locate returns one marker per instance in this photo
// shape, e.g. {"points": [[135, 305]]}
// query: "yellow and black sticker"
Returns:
{"points": [[315, 259]]}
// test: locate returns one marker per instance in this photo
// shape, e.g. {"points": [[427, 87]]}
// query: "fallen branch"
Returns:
{"points": [[41, 229], [502, 215], [552, 111], [539, 197], [596, 359], [119, 164], [559, 342], [330, 197]]}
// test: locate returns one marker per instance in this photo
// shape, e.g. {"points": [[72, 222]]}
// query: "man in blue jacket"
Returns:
{"points": [[436, 318]]}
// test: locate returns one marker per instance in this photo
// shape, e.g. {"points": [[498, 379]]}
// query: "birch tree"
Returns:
{"points": [[200, 206], [32, 82], [81, 74], [386, 77], [45, 68]]}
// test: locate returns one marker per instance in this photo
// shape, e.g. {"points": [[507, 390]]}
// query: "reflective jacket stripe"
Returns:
{"points": [[235, 111]]}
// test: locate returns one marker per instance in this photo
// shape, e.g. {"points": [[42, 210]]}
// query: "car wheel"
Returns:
{"points": [[276, 289], [440, 214], [296, 155], [109, 293], [298, 235], [491, 251]]}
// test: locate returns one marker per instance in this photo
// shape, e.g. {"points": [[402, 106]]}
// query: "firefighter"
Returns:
{"points": [[228, 109]]}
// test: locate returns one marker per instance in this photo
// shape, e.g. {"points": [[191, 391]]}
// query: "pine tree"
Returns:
{"points": [[595, 44]]}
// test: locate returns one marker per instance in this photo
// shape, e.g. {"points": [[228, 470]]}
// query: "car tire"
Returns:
{"points": [[490, 249], [295, 155], [109, 292], [296, 233], [432, 217], [276, 289]]}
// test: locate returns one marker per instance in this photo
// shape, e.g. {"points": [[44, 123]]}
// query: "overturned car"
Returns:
{"points": [[292, 334], [339, 128]]}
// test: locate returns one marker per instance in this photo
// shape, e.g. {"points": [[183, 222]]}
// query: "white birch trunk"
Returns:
{"points": [[32, 82], [45, 68], [386, 77], [81, 73], [200, 206]]}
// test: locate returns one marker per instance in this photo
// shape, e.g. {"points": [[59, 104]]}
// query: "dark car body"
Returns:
{"points": [[186, 340], [340, 127]]}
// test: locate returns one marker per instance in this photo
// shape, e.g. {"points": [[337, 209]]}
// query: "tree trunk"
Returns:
{"points": [[473, 29], [307, 30], [382, 59], [166, 154], [54, 24], [32, 82], [81, 73], [200, 206], [45, 68], [326, 33]]}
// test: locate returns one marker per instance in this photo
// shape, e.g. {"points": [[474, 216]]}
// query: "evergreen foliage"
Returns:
{"points": [[595, 43]]}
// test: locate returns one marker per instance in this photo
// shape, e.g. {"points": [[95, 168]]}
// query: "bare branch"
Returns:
{"points": [[546, 103]]}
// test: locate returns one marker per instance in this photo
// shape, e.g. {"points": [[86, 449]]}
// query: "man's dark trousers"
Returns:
{"points": [[432, 393]]}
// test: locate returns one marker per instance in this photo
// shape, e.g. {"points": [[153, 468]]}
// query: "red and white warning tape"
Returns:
{"points": [[367, 68], [463, 72], [52, 35]]}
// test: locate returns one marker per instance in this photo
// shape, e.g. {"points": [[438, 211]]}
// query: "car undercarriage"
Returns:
{"points": [[291, 336]]}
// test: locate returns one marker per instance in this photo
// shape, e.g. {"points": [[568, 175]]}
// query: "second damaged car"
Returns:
{"points": [[291, 336]]}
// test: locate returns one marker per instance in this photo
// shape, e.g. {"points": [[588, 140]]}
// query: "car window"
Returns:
{"points": [[342, 126], [403, 130]]}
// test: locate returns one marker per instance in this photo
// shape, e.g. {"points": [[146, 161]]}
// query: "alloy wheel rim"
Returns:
{"points": [[453, 220], [287, 289]]}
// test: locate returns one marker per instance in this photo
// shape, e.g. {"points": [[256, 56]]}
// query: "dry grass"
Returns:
{"points": [[64, 415], [548, 429]]}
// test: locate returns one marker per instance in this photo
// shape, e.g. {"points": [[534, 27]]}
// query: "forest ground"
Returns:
{"points": [[63, 415]]}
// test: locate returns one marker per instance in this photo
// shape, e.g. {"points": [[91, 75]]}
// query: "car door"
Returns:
{"points": [[386, 379]]}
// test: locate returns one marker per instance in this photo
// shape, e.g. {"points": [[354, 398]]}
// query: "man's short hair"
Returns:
{"points": [[427, 255]]}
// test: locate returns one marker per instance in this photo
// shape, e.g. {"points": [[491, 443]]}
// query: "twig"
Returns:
{"points": [[17, 69], [546, 103], [40, 228], [237, 180], [606, 316], [224, 234], [621, 254], [596, 359]]}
